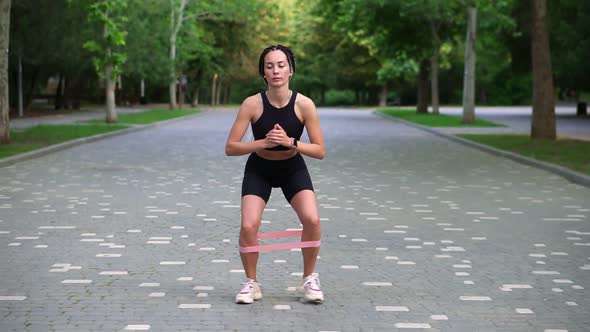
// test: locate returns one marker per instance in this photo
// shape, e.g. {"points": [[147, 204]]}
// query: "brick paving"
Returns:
{"points": [[139, 232]]}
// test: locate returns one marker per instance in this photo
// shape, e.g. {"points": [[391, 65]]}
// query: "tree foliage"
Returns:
{"points": [[47, 37], [570, 43], [107, 49], [352, 45]]}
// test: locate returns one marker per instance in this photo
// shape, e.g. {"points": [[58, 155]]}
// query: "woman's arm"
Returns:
{"points": [[315, 148], [234, 145]]}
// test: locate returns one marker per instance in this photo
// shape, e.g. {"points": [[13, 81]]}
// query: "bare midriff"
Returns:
{"points": [[276, 155]]}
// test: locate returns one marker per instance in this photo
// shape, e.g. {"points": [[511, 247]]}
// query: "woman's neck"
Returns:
{"points": [[279, 97]]}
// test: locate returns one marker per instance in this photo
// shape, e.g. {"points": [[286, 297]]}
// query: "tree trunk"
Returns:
{"points": [[374, 97], [73, 93], [175, 25], [434, 70], [543, 122], [29, 93], [180, 87], [213, 87], [110, 95], [423, 88], [20, 87], [218, 91], [469, 78], [197, 87], [434, 82], [58, 103], [195, 101], [383, 96], [142, 99], [4, 41], [67, 98], [226, 89], [173, 79], [109, 86]]}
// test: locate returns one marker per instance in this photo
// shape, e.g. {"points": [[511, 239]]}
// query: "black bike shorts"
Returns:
{"points": [[261, 175]]}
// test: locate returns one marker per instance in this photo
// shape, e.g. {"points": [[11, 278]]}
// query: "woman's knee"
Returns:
{"points": [[252, 208], [249, 228], [310, 220], [248, 234]]}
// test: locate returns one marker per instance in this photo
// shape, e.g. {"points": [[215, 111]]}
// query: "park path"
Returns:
{"points": [[139, 232], [517, 119]]}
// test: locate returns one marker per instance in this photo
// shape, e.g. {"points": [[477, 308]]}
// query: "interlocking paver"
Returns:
{"points": [[139, 232]]}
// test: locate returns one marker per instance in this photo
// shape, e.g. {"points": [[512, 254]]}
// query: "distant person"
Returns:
{"points": [[278, 117]]}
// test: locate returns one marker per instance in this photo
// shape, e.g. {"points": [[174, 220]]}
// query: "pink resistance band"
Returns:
{"points": [[280, 246]]}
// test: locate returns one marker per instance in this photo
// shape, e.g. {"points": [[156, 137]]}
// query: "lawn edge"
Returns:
{"points": [[570, 175], [4, 162]]}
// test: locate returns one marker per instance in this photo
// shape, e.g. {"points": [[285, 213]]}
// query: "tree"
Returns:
{"points": [[4, 38], [146, 47], [232, 54], [46, 38], [387, 30], [494, 21], [323, 46], [229, 44], [543, 122], [414, 28], [438, 16], [570, 46], [469, 76], [176, 20], [396, 71], [191, 11], [108, 59]]}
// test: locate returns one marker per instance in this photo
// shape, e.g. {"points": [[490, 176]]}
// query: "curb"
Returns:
{"points": [[83, 140], [572, 176]]}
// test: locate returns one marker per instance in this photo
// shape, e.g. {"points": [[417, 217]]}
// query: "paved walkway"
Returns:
{"points": [[518, 120], [139, 232]]}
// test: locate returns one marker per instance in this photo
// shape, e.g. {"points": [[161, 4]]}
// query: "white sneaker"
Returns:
{"points": [[250, 292], [311, 287]]}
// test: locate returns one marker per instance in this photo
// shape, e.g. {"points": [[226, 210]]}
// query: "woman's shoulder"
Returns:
{"points": [[252, 102], [304, 102]]}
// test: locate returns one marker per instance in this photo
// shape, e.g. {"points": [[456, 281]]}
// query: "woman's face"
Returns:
{"points": [[276, 68]]}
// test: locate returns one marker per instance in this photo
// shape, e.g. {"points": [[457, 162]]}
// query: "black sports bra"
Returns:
{"points": [[284, 116]]}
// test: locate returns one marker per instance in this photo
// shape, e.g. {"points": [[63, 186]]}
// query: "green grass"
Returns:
{"points": [[432, 120], [24, 140], [572, 154], [29, 139], [150, 116]]}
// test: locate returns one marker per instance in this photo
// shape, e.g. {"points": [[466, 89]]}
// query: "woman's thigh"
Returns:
{"points": [[305, 205], [252, 209]]}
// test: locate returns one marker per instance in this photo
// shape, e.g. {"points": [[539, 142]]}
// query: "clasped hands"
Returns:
{"points": [[277, 136]]}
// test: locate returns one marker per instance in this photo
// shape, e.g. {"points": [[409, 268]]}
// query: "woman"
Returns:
{"points": [[278, 117]]}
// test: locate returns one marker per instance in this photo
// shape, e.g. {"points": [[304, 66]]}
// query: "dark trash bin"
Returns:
{"points": [[582, 109]]}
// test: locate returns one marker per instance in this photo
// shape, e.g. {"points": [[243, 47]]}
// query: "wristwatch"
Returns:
{"points": [[294, 144]]}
